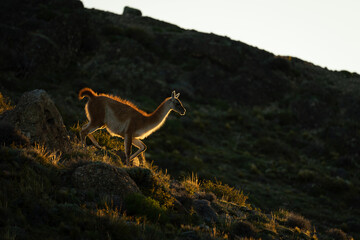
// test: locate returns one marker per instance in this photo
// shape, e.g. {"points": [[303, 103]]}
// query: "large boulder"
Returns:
{"points": [[104, 179], [37, 117]]}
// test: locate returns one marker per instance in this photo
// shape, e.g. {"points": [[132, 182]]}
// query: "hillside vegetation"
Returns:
{"points": [[271, 142]]}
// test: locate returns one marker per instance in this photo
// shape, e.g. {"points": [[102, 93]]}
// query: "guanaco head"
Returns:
{"points": [[175, 104]]}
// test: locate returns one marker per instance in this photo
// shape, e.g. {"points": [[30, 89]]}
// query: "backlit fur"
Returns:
{"points": [[123, 119]]}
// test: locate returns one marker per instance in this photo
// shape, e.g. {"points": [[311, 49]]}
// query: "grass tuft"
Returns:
{"points": [[5, 104], [191, 183], [225, 192], [45, 156], [294, 220]]}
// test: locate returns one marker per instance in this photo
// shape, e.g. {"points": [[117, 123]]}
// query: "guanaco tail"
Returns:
{"points": [[123, 119]]}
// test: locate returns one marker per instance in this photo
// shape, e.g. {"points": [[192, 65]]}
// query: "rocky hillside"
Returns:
{"points": [[284, 131], [85, 193]]}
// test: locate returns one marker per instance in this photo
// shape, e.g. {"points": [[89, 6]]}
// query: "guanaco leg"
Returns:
{"points": [[93, 140], [127, 145], [142, 148], [86, 132]]}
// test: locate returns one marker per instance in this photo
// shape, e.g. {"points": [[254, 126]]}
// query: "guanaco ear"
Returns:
{"points": [[177, 95], [173, 94]]}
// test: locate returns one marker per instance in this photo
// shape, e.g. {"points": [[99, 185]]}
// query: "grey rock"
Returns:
{"points": [[105, 179], [37, 117]]}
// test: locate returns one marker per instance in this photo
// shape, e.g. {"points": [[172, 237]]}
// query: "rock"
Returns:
{"points": [[9, 135], [128, 11], [105, 179], [203, 209], [37, 117]]}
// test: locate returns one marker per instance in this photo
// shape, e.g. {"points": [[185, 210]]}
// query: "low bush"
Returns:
{"points": [[139, 205], [337, 234], [294, 220], [225, 192], [152, 185]]}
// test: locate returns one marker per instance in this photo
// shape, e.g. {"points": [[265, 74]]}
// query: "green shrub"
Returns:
{"points": [[139, 205], [143, 177], [225, 192], [152, 185], [294, 220]]}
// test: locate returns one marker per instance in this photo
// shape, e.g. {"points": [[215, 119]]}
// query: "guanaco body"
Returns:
{"points": [[123, 119]]}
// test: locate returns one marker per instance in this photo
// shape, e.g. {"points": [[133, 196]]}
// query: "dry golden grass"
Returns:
{"points": [[5, 104], [191, 183]]}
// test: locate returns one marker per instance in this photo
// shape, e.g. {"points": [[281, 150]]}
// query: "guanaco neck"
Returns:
{"points": [[158, 117]]}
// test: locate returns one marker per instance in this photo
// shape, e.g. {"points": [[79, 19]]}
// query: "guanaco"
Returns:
{"points": [[123, 119]]}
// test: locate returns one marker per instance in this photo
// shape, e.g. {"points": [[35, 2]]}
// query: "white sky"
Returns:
{"points": [[324, 32]]}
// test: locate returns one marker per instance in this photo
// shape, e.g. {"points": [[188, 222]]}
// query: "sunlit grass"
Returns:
{"points": [[271, 225], [5, 104], [46, 156], [109, 212], [162, 175], [191, 183], [225, 192]]}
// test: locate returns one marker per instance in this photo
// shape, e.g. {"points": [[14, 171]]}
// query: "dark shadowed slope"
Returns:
{"points": [[284, 130]]}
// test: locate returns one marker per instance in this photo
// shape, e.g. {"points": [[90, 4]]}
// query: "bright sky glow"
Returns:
{"points": [[324, 32]]}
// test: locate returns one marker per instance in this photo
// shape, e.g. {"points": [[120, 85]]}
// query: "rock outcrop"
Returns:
{"points": [[128, 11], [37, 117], [105, 179]]}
